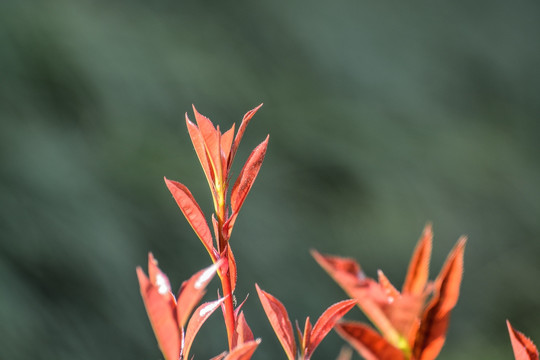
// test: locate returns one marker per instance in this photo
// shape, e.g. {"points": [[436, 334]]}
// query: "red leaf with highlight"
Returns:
{"points": [[212, 142], [245, 121], [200, 315], [192, 291], [247, 176], [524, 348], [368, 342], [279, 319], [193, 213], [432, 332], [198, 143], [226, 143], [244, 351], [418, 272], [326, 322], [160, 306]]}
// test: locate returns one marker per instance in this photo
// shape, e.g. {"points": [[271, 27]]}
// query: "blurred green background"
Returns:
{"points": [[383, 115]]}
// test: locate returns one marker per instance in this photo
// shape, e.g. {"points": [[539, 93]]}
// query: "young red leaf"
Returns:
{"points": [[326, 322], [524, 348], [244, 351], [247, 176], [200, 149], [245, 121], [279, 319], [192, 291], [306, 337], [387, 286], [418, 272], [243, 333], [193, 213], [161, 312], [212, 142], [200, 315], [232, 268], [369, 294], [432, 332], [226, 143], [368, 342]]}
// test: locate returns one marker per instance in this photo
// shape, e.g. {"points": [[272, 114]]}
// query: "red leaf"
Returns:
{"points": [[326, 322], [387, 286], [226, 143], [232, 268], [193, 213], [245, 121], [369, 294], [279, 319], [244, 351], [160, 307], [368, 342], [192, 291], [243, 333], [200, 315], [212, 142], [524, 348], [200, 149], [418, 272], [247, 176], [432, 332]]}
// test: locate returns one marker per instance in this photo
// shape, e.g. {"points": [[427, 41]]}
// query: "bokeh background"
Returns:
{"points": [[383, 115]]}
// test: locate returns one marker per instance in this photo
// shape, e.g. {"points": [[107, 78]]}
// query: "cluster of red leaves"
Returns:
{"points": [[523, 347], [412, 323], [312, 336]]}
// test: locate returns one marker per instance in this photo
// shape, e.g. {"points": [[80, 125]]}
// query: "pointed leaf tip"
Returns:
{"points": [[523, 347], [418, 272], [367, 342], [279, 319]]}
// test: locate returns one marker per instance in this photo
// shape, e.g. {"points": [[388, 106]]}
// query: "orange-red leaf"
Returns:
{"points": [[193, 213], [200, 149], [226, 143], [212, 142], [326, 322], [245, 121], [200, 315], [524, 348], [244, 351], [192, 291], [243, 333], [247, 176], [418, 272], [368, 342], [160, 307], [232, 268], [279, 319], [432, 332]]}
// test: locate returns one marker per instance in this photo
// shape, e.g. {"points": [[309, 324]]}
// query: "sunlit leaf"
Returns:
{"points": [[244, 351], [160, 308], [326, 322], [200, 315], [418, 272], [279, 319], [245, 121], [212, 142], [193, 213], [243, 333], [432, 332], [368, 342], [247, 176], [200, 149], [226, 143], [524, 348], [192, 291]]}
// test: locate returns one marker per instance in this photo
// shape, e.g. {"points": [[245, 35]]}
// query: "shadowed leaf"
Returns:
{"points": [[432, 332], [193, 213], [200, 315], [368, 342], [524, 348], [279, 319]]}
